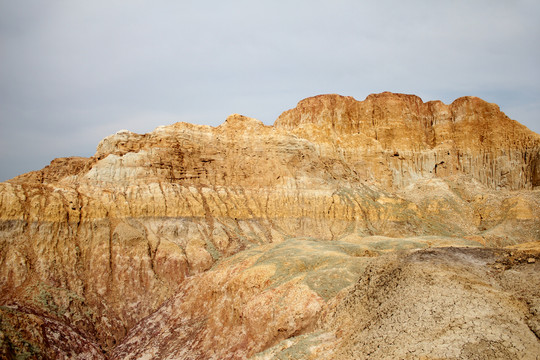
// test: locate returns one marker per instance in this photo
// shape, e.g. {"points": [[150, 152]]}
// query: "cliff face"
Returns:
{"points": [[412, 139], [89, 247]]}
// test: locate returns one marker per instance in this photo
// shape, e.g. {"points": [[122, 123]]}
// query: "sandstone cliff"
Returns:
{"points": [[413, 139], [115, 251]]}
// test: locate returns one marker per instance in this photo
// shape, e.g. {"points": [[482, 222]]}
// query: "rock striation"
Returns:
{"points": [[413, 139], [275, 229]]}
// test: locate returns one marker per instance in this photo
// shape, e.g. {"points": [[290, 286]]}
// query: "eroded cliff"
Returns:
{"points": [[412, 139], [160, 223]]}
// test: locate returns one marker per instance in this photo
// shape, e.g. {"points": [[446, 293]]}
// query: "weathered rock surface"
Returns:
{"points": [[201, 242], [445, 303], [412, 139]]}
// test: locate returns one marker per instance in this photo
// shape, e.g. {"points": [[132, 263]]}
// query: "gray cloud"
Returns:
{"points": [[73, 72]]}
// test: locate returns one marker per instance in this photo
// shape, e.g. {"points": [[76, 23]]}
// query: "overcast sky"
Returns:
{"points": [[75, 71]]}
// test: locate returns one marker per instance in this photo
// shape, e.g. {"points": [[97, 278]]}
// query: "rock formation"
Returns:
{"points": [[413, 139], [247, 240]]}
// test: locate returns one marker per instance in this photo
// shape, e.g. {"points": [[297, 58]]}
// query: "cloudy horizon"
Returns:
{"points": [[72, 73]]}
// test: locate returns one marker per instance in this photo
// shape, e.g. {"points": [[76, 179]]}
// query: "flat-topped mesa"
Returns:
{"points": [[469, 136]]}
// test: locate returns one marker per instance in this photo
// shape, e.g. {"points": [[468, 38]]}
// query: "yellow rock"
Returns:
{"points": [[101, 243]]}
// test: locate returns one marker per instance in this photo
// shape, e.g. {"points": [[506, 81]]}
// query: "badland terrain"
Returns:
{"points": [[389, 228]]}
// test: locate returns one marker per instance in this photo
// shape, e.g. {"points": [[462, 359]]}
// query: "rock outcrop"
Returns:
{"points": [[445, 303], [413, 139], [270, 227]]}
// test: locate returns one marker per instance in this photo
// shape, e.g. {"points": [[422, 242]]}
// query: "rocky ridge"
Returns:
{"points": [[118, 251]]}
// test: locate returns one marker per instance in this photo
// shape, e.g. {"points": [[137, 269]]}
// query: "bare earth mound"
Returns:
{"points": [[385, 228]]}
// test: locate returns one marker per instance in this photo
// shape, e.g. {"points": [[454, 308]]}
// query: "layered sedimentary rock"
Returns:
{"points": [[413, 139], [116, 251]]}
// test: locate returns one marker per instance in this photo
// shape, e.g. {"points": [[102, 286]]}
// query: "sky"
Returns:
{"points": [[75, 71]]}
